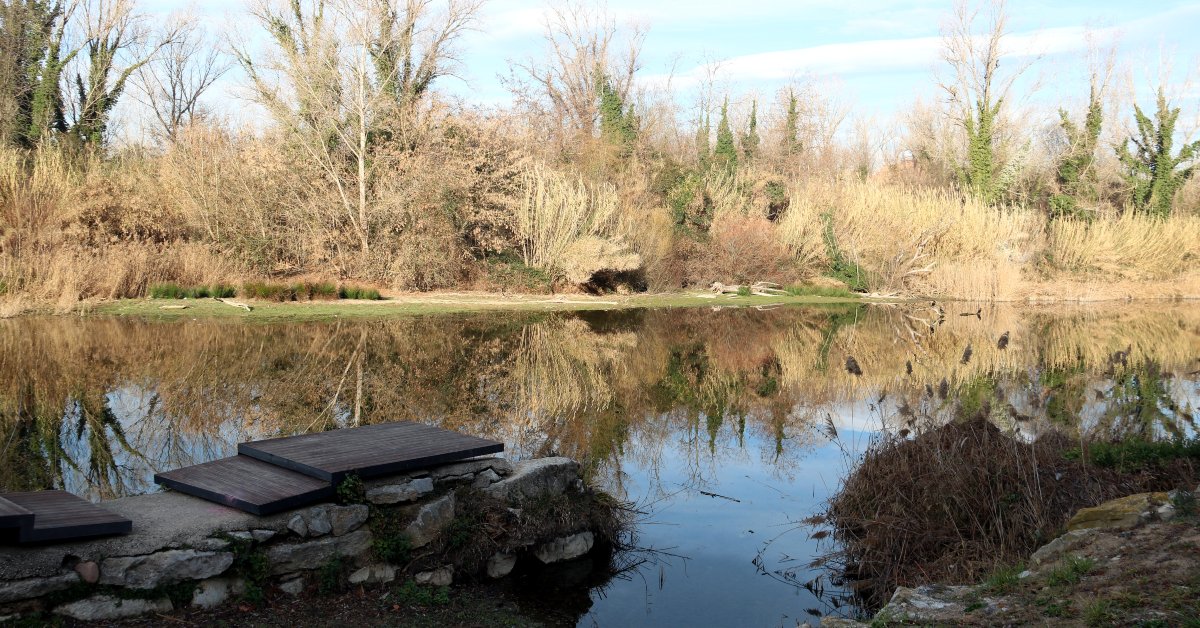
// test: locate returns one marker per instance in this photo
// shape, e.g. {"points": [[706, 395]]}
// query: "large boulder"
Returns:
{"points": [[171, 566], [431, 520], [346, 519], [1124, 513], [532, 479], [35, 587], [102, 607], [291, 557], [216, 591], [406, 491], [565, 548]]}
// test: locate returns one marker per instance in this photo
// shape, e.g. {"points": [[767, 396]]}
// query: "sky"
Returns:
{"points": [[878, 55]]}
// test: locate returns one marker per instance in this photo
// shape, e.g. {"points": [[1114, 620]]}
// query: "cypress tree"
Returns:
{"points": [[791, 129], [725, 153], [750, 139], [1153, 174]]}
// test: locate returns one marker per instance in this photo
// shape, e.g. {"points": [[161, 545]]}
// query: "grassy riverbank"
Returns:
{"points": [[435, 303]]}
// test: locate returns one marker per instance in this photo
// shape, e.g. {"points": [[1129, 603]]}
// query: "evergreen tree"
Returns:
{"points": [[31, 34], [791, 129], [750, 139], [1153, 174], [979, 172], [617, 124], [1076, 180], [725, 153]]}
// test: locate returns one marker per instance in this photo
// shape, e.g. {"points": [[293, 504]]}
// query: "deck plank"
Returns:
{"points": [[247, 484], [14, 516], [369, 451], [61, 516]]}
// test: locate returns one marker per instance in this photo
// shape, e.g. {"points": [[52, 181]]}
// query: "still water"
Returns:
{"points": [[725, 427]]}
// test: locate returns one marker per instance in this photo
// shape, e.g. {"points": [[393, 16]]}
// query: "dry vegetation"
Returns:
{"points": [[588, 180]]}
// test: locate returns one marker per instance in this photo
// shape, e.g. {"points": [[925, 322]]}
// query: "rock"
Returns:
{"points": [[430, 521], [289, 557], [293, 586], [839, 622], [297, 526], [148, 572], [566, 548], [459, 470], [1118, 514], [1052, 551], [346, 519], [216, 591], [100, 607], [260, 536], [36, 587], [935, 604], [1166, 512], [501, 564], [211, 545], [440, 577], [485, 478], [535, 478], [318, 521], [411, 490], [374, 574], [88, 571]]}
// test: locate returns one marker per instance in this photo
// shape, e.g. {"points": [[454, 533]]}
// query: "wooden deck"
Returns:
{"points": [[248, 484], [14, 516], [60, 516], [368, 451]]}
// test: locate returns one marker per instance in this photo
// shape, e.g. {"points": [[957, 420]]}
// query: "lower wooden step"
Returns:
{"points": [[251, 485], [61, 516]]}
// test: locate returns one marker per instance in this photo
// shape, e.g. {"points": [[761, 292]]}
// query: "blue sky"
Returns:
{"points": [[880, 54]]}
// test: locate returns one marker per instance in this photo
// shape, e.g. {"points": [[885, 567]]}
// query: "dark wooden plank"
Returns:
{"points": [[247, 484], [61, 516], [14, 516], [369, 451]]}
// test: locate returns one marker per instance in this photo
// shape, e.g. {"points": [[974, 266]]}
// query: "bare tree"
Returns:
{"points": [[117, 42], [412, 47], [976, 88], [584, 53], [172, 82]]}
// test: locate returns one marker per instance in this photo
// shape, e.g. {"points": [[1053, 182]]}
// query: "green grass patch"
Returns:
{"points": [[175, 291], [820, 291], [1136, 454], [1100, 613], [1073, 569], [360, 293], [1004, 579], [412, 594]]}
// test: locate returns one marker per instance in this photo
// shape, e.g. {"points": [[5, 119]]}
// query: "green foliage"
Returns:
{"points": [[686, 202], [1138, 454], [31, 65], [725, 155], [1153, 174], [1099, 613], [358, 292], [1004, 579], [1072, 570], [174, 291], [750, 140], [618, 124], [412, 594], [841, 268], [819, 291], [390, 543], [252, 564], [979, 172], [743, 291], [331, 577], [791, 127], [1185, 503], [351, 490], [1076, 176]]}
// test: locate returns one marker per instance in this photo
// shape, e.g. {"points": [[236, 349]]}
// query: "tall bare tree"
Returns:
{"points": [[976, 88], [171, 83]]}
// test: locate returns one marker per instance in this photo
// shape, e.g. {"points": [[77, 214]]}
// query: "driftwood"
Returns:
{"points": [[173, 307], [235, 304], [758, 288]]}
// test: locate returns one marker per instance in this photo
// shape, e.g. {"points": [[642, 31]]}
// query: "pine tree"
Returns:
{"points": [[1075, 176], [1153, 174], [725, 153], [750, 139], [791, 129]]}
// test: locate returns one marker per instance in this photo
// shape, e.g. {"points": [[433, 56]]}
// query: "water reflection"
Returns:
{"points": [[660, 405]]}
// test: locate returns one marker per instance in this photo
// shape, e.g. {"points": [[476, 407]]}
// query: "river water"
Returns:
{"points": [[725, 427]]}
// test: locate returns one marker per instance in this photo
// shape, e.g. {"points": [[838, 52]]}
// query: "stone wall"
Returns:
{"points": [[468, 520]]}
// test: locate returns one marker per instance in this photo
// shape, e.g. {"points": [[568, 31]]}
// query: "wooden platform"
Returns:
{"points": [[368, 451], [14, 516], [60, 516], [248, 484]]}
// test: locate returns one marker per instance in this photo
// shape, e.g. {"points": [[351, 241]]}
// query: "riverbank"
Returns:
{"points": [[1133, 561]]}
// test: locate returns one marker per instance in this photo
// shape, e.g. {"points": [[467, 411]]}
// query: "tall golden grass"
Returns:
{"points": [[1132, 246]]}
